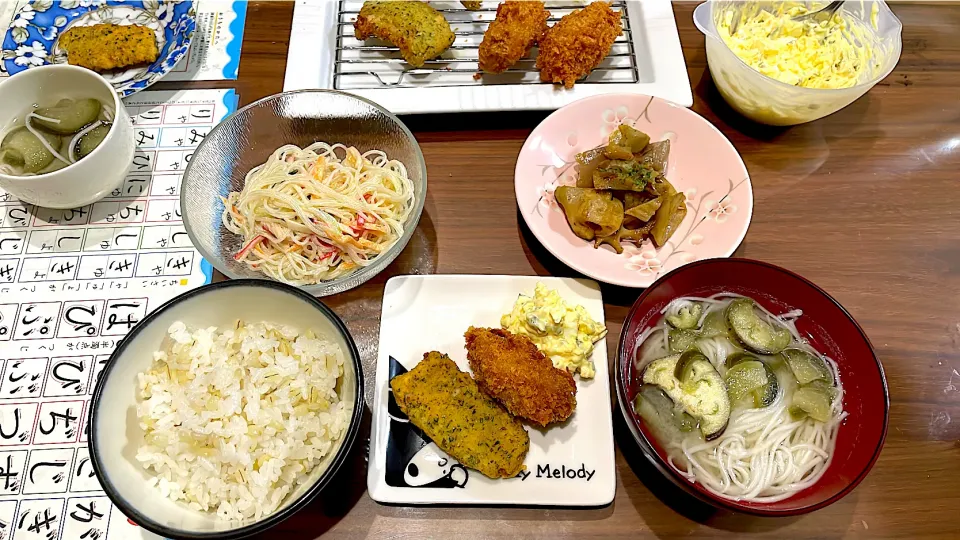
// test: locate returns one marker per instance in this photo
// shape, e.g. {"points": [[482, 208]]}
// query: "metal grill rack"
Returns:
{"points": [[375, 64]]}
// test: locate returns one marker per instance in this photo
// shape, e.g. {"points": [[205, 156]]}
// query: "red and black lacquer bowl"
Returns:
{"points": [[829, 328]]}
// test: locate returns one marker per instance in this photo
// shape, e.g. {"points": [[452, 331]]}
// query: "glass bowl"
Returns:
{"points": [[828, 327], [769, 101], [249, 136]]}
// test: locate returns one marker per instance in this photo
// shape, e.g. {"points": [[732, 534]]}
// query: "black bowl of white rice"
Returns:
{"points": [[226, 410]]}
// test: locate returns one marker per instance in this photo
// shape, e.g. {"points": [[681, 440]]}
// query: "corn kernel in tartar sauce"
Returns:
{"points": [[565, 335], [811, 54]]}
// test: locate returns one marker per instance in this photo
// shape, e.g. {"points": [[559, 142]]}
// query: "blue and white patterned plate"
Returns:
{"points": [[32, 39]]}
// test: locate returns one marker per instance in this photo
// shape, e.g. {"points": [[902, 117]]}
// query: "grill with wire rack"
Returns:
{"points": [[376, 64]]}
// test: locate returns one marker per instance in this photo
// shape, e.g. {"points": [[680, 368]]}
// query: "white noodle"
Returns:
{"points": [[44, 118]]}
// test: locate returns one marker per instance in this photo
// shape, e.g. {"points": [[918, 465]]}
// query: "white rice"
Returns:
{"points": [[235, 419]]}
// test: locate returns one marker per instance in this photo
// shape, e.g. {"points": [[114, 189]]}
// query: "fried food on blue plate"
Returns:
{"points": [[513, 371], [417, 29], [464, 422], [573, 47], [518, 25], [105, 47]]}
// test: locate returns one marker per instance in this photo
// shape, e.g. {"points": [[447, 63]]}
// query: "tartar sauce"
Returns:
{"points": [[565, 334]]}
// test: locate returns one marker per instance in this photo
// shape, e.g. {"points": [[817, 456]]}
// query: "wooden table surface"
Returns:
{"points": [[864, 203]]}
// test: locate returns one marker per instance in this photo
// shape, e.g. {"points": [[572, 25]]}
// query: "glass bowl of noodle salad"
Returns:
{"points": [[777, 71], [313, 188]]}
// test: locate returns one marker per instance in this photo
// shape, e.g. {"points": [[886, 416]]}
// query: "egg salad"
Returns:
{"points": [[564, 334], [835, 53]]}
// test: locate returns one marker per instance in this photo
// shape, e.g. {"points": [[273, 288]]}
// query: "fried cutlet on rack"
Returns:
{"points": [[417, 29], [573, 47], [518, 25]]}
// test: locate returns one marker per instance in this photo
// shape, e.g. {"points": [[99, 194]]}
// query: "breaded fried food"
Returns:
{"points": [[420, 31], [464, 422], [472, 5], [513, 371], [578, 43], [105, 47], [518, 25]]}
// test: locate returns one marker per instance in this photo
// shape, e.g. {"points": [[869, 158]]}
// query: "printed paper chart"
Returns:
{"points": [[72, 283]]}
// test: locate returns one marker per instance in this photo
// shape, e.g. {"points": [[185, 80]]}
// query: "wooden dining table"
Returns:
{"points": [[864, 203]]}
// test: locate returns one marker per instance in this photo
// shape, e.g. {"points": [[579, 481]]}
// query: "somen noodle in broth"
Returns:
{"points": [[49, 138], [738, 399]]}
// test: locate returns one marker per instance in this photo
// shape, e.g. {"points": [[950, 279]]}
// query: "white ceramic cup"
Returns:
{"points": [[90, 178]]}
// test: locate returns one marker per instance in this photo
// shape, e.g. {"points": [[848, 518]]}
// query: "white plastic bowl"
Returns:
{"points": [[769, 101], [89, 179]]}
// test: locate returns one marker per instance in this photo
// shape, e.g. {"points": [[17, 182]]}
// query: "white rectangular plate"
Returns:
{"points": [[646, 59], [570, 464]]}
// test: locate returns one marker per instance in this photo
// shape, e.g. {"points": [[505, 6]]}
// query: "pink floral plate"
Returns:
{"points": [[703, 165]]}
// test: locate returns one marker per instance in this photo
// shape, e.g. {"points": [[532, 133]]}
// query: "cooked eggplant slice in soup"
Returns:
{"points": [[750, 380], [68, 115], [715, 325], [759, 335], [680, 340], [807, 367], [813, 402], [699, 389], [22, 150], [686, 316], [662, 414]]}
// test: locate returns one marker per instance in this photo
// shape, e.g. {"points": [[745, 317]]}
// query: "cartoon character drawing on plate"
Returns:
{"points": [[413, 460], [431, 467]]}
